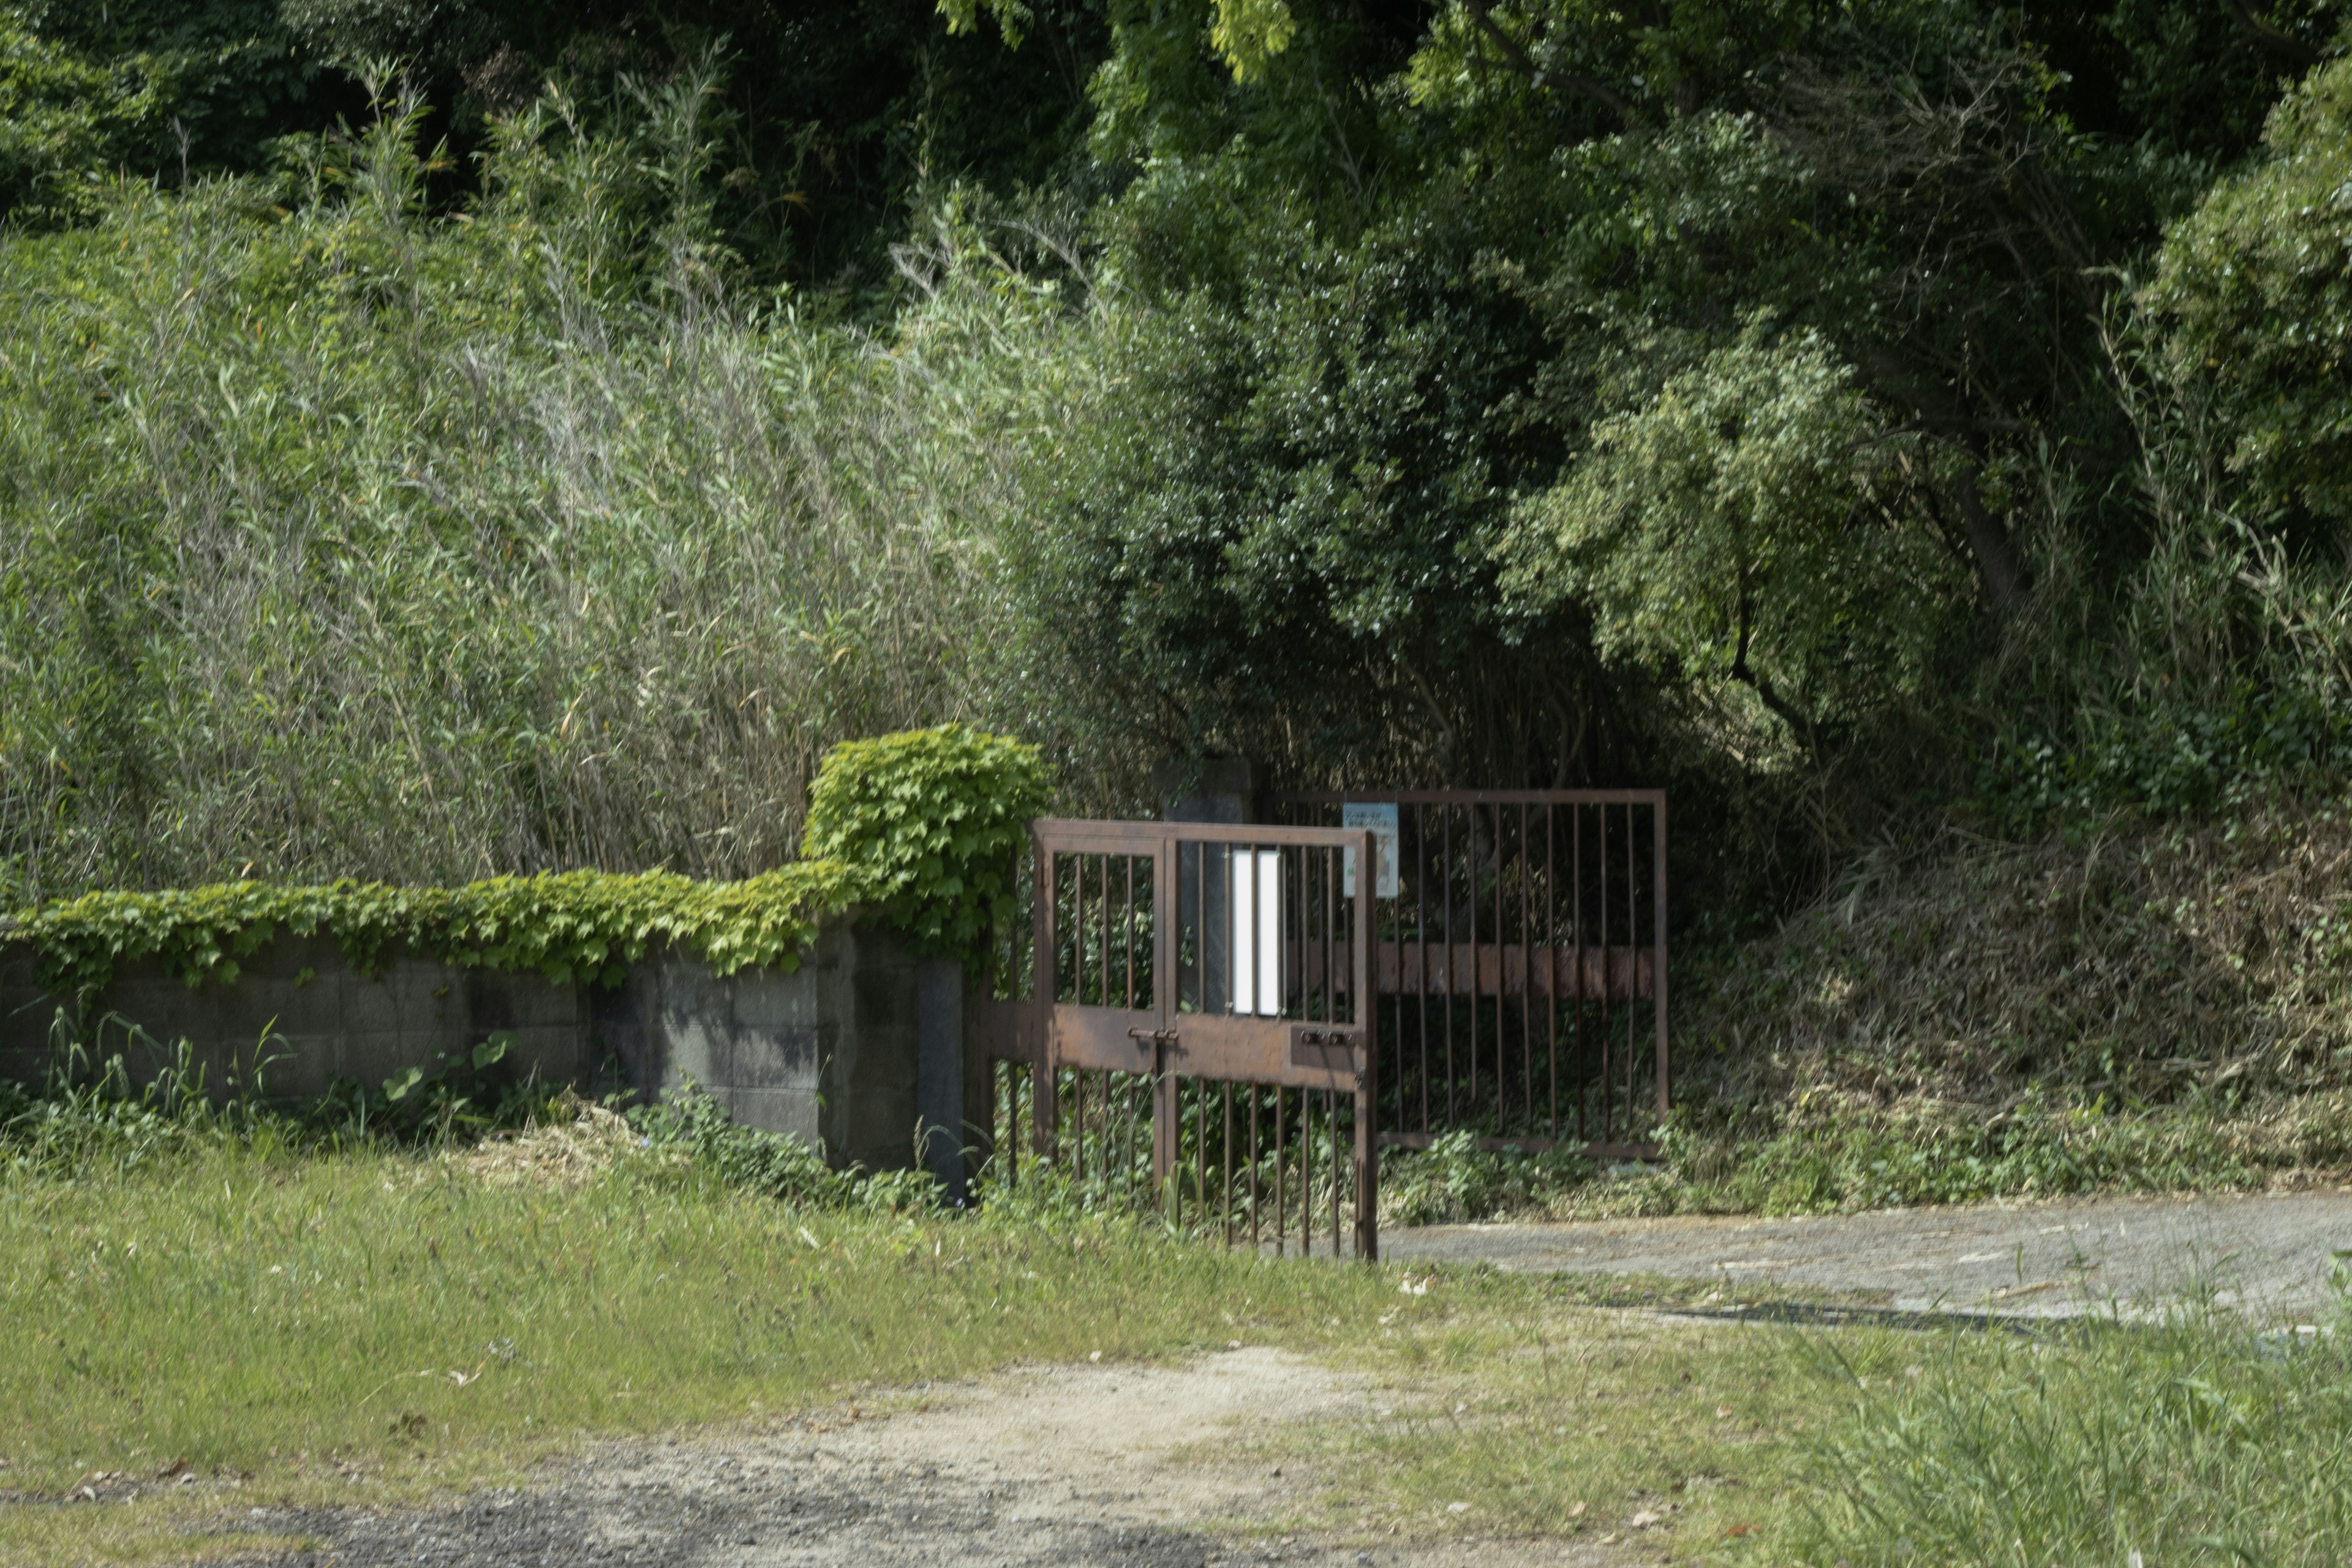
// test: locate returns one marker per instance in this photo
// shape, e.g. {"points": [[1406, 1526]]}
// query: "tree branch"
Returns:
{"points": [[1789, 714], [2293, 50], [1516, 55]]}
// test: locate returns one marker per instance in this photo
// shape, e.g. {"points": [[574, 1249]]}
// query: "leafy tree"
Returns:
{"points": [[2256, 285], [1748, 522]]}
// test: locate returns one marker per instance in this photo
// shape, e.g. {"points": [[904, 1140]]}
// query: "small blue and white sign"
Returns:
{"points": [[1380, 816]]}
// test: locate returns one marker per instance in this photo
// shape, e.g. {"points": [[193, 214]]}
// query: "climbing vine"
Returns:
{"points": [[919, 827]]}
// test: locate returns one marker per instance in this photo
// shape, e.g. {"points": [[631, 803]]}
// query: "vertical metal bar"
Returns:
{"points": [[1608, 1072], [1551, 962], [1173, 1187], [1225, 1191], [1044, 945], [1131, 932], [1477, 981], [1658, 944], [1278, 1217], [1254, 1098], [1527, 970], [1633, 962], [1000, 1118], [1167, 867], [1452, 970], [1502, 980], [1331, 1111], [1306, 1172], [1368, 1153], [1200, 1146], [1576, 919], [1331, 858], [1201, 939], [1420, 935]]}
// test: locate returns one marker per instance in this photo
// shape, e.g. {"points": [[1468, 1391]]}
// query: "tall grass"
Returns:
{"points": [[343, 536], [2197, 1440]]}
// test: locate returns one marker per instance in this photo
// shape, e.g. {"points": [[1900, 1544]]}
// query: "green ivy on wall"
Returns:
{"points": [[920, 826]]}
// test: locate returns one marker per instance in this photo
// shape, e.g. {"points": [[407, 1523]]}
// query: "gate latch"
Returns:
{"points": [[1156, 1036], [1324, 1050]]}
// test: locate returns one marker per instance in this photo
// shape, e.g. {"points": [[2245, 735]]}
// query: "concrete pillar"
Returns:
{"points": [[939, 1108], [1208, 789]]}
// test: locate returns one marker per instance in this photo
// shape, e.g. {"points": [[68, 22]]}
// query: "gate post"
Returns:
{"points": [[1367, 1024], [1045, 1094], [1166, 1126]]}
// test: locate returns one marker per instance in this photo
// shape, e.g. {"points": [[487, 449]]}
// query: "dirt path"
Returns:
{"points": [[1177, 1466], [2270, 1253]]}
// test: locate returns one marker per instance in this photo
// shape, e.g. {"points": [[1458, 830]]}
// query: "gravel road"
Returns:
{"points": [[1121, 1465], [2269, 1252]]}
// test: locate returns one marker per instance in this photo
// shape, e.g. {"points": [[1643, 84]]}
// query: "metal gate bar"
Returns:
{"points": [[1176, 964], [1519, 959]]}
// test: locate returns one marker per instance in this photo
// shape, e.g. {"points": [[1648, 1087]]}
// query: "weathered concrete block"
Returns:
{"points": [[851, 1051]]}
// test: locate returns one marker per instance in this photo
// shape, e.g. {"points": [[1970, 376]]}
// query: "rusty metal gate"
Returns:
{"points": [[1211, 982], [1501, 974], [1519, 963]]}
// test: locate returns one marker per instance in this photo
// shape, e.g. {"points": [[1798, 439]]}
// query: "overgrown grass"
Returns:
{"points": [[2200, 1438], [2194, 1441], [1842, 1155], [370, 1327], [381, 1326], [344, 536]]}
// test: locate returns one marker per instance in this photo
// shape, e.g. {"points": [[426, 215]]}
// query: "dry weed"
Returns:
{"points": [[2150, 965], [564, 1155]]}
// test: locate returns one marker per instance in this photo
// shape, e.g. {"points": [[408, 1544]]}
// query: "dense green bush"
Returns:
{"points": [[934, 820], [2256, 287]]}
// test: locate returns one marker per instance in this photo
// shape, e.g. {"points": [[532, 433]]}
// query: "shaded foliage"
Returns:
{"points": [[1844, 416]]}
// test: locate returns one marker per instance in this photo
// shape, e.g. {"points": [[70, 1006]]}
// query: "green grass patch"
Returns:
{"points": [[1516, 1408], [383, 1328], [2195, 1441], [373, 1326], [1833, 1154]]}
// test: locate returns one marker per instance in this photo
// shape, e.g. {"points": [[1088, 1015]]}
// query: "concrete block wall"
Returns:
{"points": [[851, 1051]]}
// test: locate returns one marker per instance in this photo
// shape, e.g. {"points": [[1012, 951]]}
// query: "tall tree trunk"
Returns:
{"points": [[1995, 551]]}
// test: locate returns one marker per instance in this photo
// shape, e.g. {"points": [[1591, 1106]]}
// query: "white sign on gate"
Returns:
{"points": [[1380, 816], [1254, 978]]}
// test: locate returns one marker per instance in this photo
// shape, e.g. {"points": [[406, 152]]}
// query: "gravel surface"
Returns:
{"points": [[1153, 1467], [2269, 1252]]}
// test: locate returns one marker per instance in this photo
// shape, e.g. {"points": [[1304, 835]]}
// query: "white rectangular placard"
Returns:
{"points": [[1257, 952], [1380, 816]]}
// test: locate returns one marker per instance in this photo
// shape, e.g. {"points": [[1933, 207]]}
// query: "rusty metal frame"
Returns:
{"points": [[1164, 1043], [1446, 968]]}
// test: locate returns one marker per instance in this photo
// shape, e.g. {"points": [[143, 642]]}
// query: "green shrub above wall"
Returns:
{"points": [[936, 816], [919, 825]]}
